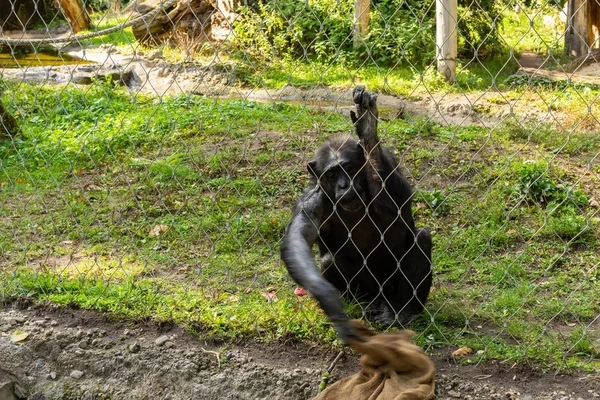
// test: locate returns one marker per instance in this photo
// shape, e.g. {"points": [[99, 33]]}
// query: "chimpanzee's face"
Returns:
{"points": [[339, 169]]}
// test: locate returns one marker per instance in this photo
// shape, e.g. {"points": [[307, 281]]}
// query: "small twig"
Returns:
{"points": [[215, 353], [327, 374], [335, 360]]}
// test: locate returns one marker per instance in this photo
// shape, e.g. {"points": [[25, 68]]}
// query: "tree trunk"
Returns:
{"points": [[8, 123], [76, 14]]}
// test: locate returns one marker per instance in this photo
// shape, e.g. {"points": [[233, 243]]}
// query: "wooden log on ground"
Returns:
{"points": [[584, 60], [188, 23]]}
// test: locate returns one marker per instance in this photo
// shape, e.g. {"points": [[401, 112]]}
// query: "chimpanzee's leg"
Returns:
{"points": [[403, 301], [352, 280]]}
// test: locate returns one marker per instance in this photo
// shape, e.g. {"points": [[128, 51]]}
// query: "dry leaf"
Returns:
{"points": [[571, 324], [18, 336], [270, 296], [158, 230], [461, 352], [510, 231], [2, 184], [249, 290], [91, 187], [20, 180], [79, 171]]}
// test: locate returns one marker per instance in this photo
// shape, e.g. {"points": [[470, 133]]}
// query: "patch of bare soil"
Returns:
{"points": [[75, 354]]}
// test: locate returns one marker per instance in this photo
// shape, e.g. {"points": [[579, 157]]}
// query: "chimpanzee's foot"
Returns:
{"points": [[385, 315]]}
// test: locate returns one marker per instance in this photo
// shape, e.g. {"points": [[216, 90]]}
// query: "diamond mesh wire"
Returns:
{"points": [[151, 171]]}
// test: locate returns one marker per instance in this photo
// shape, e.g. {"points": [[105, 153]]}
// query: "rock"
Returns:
{"points": [[76, 374], [82, 79], [83, 344], [161, 340], [7, 391], [163, 72], [135, 347], [92, 331], [126, 332], [154, 54]]}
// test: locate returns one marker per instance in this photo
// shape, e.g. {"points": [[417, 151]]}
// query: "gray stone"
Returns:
{"points": [[154, 54], [135, 347], [161, 340], [76, 374]]}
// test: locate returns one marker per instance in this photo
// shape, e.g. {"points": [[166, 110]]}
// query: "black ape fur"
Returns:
{"points": [[358, 211]]}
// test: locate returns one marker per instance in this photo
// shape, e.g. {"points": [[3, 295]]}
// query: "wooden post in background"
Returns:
{"points": [[446, 38], [361, 20]]}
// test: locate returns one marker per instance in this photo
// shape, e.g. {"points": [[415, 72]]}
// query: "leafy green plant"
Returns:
{"points": [[439, 202], [534, 183]]}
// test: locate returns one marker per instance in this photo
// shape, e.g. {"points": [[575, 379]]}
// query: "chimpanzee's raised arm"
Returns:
{"points": [[365, 119], [365, 124], [296, 253]]}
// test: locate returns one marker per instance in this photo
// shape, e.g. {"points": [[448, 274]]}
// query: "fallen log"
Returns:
{"points": [[187, 23]]}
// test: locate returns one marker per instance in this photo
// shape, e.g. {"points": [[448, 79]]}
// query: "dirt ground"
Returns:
{"points": [[65, 353]]}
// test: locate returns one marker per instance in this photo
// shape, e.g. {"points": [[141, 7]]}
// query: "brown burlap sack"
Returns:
{"points": [[393, 367]]}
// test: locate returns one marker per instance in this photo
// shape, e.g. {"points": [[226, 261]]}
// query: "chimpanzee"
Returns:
{"points": [[358, 211]]}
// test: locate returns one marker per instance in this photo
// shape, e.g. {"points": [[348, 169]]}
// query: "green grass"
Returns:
{"points": [[97, 171]]}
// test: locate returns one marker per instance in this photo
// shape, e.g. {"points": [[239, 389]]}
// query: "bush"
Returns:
{"points": [[284, 28], [399, 31]]}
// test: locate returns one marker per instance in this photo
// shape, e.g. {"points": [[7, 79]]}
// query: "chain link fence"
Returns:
{"points": [[150, 169]]}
